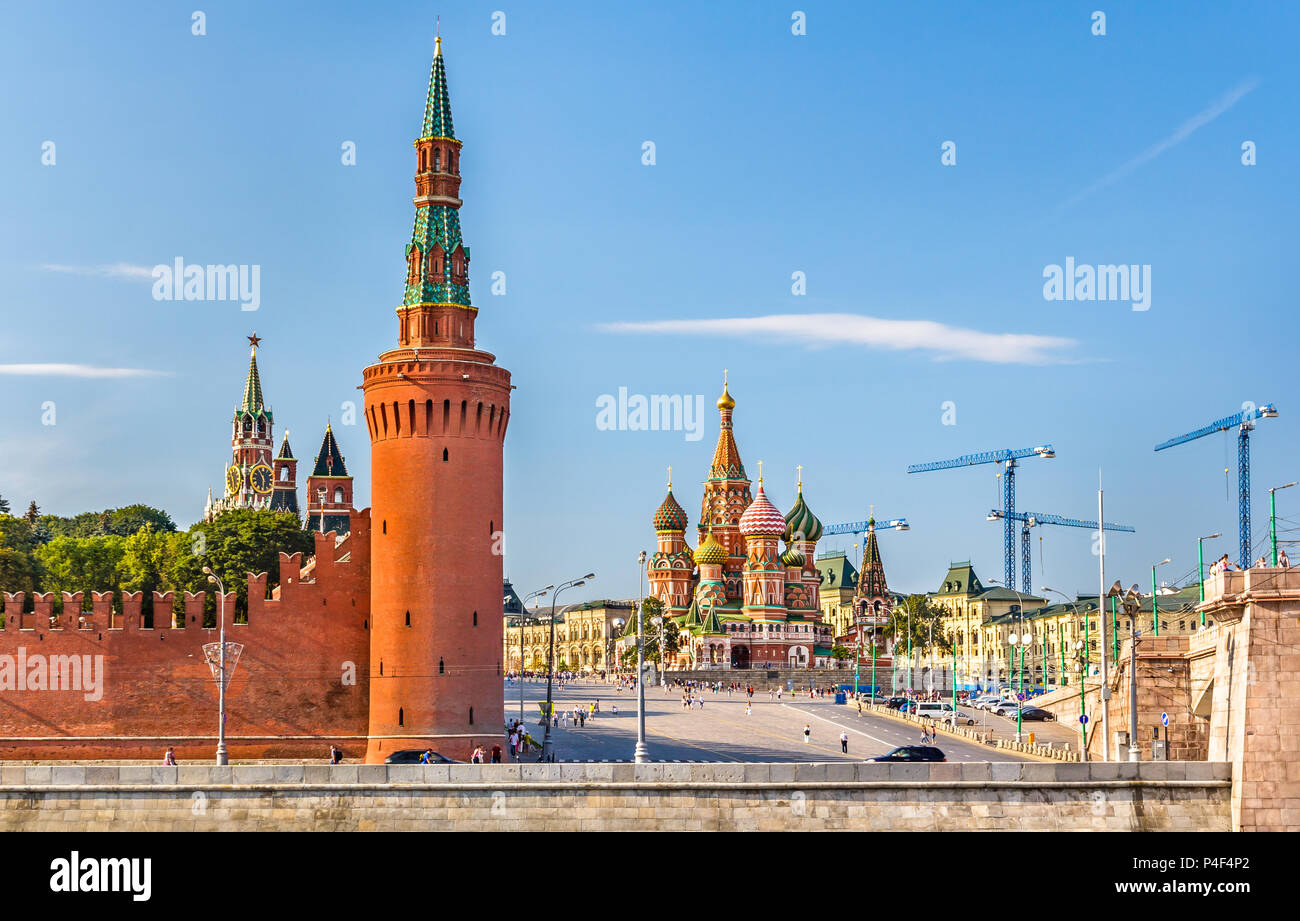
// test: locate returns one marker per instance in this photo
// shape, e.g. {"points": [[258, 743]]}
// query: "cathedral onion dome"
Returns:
{"points": [[762, 519], [671, 516], [801, 523], [726, 401], [710, 551], [793, 557]]}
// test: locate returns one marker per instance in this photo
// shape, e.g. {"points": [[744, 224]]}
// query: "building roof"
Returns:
{"points": [[286, 452], [670, 516], [960, 580], [437, 105], [761, 518], [329, 462], [836, 570], [871, 579], [252, 402], [800, 522], [998, 593]]}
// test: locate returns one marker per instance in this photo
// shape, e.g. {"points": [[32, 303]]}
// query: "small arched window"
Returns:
{"points": [[408, 618], [284, 474], [338, 495], [444, 454], [442, 668], [437, 161], [476, 618], [471, 716], [401, 717]]}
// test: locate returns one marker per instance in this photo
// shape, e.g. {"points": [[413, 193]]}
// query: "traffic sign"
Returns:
{"points": [[1164, 719], [1083, 719]]}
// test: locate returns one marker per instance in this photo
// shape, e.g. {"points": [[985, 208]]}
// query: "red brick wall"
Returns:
{"points": [[158, 690]]}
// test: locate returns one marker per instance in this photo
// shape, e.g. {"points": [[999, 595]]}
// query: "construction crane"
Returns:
{"points": [[1008, 456], [860, 527], [1244, 422], [1032, 519]]}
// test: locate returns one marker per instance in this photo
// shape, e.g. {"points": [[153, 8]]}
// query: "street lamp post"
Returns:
{"points": [[1155, 605], [1272, 521], [1021, 616], [1081, 659], [1200, 557], [540, 593], [221, 666], [640, 756], [1022, 641], [548, 750]]}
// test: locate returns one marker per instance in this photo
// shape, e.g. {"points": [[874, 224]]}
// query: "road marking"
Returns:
{"points": [[833, 723]]}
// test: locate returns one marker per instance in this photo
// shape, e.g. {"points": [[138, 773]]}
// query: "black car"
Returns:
{"points": [[895, 702], [1035, 713], [912, 753], [413, 756]]}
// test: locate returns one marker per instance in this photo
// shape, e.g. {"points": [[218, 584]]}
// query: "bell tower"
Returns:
{"points": [[436, 410]]}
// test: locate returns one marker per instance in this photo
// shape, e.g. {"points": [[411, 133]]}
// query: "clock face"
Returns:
{"points": [[233, 480], [263, 479]]}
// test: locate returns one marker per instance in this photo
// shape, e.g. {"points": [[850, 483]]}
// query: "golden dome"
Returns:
{"points": [[725, 401]]}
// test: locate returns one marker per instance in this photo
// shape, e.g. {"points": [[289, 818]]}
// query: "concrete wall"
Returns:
{"points": [[613, 797]]}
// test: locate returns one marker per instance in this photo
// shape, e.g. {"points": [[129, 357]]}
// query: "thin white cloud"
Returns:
{"points": [[69, 370], [941, 341], [116, 270], [1182, 133]]}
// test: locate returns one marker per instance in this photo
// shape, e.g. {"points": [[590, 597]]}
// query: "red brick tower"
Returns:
{"points": [[436, 409]]}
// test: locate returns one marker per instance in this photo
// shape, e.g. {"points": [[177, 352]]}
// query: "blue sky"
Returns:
{"points": [[774, 154]]}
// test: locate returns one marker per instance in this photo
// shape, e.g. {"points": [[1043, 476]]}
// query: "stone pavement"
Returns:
{"points": [[722, 731]]}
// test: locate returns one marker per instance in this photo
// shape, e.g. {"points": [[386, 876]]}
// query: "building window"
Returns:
{"points": [[401, 717], [444, 454], [471, 716], [476, 618], [338, 495], [442, 668], [408, 618]]}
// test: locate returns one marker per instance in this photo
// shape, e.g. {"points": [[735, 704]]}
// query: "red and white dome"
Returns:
{"points": [[762, 519]]}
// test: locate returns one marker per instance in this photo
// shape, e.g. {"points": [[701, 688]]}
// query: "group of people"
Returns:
{"points": [[1223, 564]]}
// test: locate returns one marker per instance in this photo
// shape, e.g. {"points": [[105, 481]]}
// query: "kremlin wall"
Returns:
{"points": [[402, 652]]}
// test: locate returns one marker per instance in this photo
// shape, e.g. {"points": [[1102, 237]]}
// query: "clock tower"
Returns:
{"points": [[249, 479]]}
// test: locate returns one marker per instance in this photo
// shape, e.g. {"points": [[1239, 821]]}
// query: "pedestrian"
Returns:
{"points": [[336, 756], [496, 754], [807, 732], [747, 708], [169, 757], [582, 720], [614, 710], [1283, 561], [844, 742], [477, 756], [427, 757], [778, 693], [859, 706]]}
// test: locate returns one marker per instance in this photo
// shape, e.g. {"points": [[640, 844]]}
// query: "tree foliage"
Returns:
{"points": [[926, 625]]}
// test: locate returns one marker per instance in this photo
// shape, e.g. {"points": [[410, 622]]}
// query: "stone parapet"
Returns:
{"points": [[614, 797]]}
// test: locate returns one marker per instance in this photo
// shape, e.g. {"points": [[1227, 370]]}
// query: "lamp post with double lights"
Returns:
{"points": [[548, 750], [221, 666], [1024, 640], [1020, 600], [1081, 663]]}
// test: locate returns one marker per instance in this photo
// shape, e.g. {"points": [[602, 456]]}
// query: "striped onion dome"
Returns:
{"points": [[793, 557], [671, 516], [801, 523], [762, 519], [710, 551]]}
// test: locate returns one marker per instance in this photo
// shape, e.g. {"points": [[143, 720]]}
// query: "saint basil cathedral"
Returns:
{"points": [[737, 599]]}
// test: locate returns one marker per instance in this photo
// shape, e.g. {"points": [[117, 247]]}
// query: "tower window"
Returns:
{"points": [[385, 525], [476, 618], [437, 167], [381, 666], [338, 494], [471, 716], [408, 618], [401, 717], [444, 454], [442, 668]]}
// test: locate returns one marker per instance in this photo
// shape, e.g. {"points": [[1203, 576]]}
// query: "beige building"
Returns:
{"points": [[584, 636], [980, 621]]}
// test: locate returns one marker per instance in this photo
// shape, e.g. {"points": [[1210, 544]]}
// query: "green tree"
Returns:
{"points": [[17, 572], [16, 534], [926, 626], [235, 544], [81, 564], [33, 513], [841, 653], [129, 519]]}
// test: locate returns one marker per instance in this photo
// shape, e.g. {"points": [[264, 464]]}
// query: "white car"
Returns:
{"points": [[984, 701], [963, 717]]}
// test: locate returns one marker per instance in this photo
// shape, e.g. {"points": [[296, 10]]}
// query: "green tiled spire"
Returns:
{"points": [[252, 402], [437, 107]]}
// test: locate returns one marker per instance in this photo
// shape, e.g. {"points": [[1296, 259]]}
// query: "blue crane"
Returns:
{"points": [[1032, 519], [860, 527], [1007, 456], [1243, 421]]}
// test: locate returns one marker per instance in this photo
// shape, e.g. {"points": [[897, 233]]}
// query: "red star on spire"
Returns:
{"points": [[254, 339]]}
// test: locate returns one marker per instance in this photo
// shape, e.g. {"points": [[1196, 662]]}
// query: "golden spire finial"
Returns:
{"points": [[799, 468], [670, 477], [760, 473], [725, 401], [437, 30]]}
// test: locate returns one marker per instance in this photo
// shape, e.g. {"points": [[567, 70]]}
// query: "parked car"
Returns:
{"points": [[413, 755], [962, 717], [1035, 713], [894, 703], [912, 753], [988, 701]]}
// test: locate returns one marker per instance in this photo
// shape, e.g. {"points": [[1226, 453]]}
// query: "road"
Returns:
{"points": [[722, 730]]}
